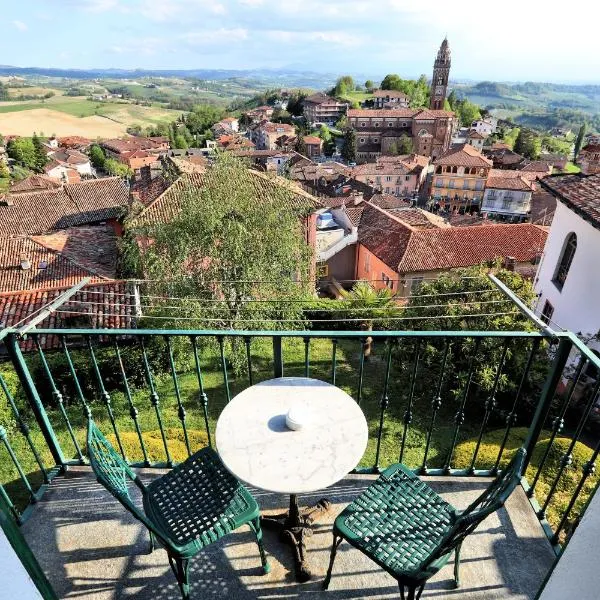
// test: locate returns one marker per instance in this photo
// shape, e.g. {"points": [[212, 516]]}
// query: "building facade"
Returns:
{"points": [[589, 159], [390, 99], [459, 179], [378, 132], [321, 108], [265, 134], [567, 281], [507, 198], [400, 176], [441, 75]]}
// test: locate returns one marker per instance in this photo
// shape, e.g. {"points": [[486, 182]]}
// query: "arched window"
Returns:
{"points": [[562, 270]]}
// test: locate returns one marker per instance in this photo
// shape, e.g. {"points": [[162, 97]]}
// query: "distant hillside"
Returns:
{"points": [[540, 105]]}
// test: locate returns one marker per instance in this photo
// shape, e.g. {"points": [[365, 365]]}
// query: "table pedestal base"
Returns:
{"points": [[294, 527]]}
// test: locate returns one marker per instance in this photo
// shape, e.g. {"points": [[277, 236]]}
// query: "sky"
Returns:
{"points": [[515, 40]]}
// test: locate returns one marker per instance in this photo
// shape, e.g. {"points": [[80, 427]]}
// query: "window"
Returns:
{"points": [[376, 124], [415, 282], [506, 203], [363, 124], [390, 124], [387, 281], [547, 312], [322, 270], [367, 261], [362, 140], [388, 178], [566, 259], [407, 178]]}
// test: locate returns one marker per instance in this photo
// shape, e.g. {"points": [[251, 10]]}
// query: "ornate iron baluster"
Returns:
{"points": [[567, 458], [202, 397], [105, 396], [58, 397], [180, 408], [24, 428], [306, 357], [86, 409], [248, 359], [558, 424], [436, 404], [224, 367], [460, 415], [385, 401], [408, 416], [511, 417], [11, 506], [490, 404], [589, 468], [334, 343], [361, 370], [15, 460], [133, 411], [155, 400]]}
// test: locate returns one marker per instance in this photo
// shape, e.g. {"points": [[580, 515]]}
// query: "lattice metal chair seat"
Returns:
{"points": [[400, 523], [192, 506]]}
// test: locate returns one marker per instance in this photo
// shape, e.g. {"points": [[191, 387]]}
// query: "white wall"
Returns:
{"points": [[577, 575], [493, 200], [576, 306], [16, 583]]}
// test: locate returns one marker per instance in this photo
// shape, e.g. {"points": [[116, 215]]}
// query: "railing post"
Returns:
{"points": [[16, 356], [277, 357], [543, 407]]}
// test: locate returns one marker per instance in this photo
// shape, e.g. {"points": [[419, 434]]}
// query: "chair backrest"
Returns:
{"points": [[115, 474], [488, 502]]}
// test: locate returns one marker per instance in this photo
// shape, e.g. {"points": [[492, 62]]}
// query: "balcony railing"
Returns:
{"points": [[445, 403]]}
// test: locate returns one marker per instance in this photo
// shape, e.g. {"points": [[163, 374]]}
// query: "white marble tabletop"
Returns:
{"points": [[256, 445]]}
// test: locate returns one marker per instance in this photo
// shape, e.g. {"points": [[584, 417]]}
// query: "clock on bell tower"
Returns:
{"points": [[441, 75]]}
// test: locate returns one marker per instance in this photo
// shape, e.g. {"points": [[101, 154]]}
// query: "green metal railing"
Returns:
{"points": [[432, 399]]}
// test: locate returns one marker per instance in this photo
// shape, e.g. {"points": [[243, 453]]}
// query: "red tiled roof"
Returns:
{"points": [[387, 202], [35, 183], [354, 213], [312, 139], [579, 192], [366, 113], [82, 203], [463, 156], [103, 304], [475, 135], [591, 148], [509, 183], [390, 94], [408, 250], [537, 166], [130, 144], [166, 206], [73, 141]]}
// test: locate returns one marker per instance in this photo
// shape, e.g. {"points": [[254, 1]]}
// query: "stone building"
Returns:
{"points": [[441, 75], [589, 159], [380, 131]]}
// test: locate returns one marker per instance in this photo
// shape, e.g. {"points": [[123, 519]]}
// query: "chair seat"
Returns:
{"points": [[398, 521], [198, 502]]}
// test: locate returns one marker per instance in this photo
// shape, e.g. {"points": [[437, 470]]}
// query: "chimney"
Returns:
{"points": [[135, 197], [145, 176], [509, 263], [25, 262]]}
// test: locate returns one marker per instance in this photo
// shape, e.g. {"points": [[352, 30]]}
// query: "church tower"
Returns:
{"points": [[441, 74]]}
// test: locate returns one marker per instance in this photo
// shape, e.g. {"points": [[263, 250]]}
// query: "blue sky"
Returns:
{"points": [[512, 40]]}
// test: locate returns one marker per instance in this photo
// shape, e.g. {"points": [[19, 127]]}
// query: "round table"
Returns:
{"points": [[256, 445]]}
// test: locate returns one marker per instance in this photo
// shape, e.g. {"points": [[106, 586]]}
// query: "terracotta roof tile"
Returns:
{"points": [[463, 156], [408, 250], [387, 202], [509, 183], [107, 308], [390, 94], [35, 183], [166, 206], [579, 192]]}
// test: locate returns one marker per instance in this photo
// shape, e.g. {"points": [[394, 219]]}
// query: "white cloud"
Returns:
{"points": [[336, 38], [252, 3], [20, 25], [209, 37]]}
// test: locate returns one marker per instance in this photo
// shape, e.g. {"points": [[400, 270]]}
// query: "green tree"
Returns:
{"points": [[405, 145], [392, 82], [41, 158], [528, 144], [452, 100], [393, 149], [579, 140], [369, 85], [344, 85], [180, 142], [203, 117], [116, 168], [97, 157], [4, 95], [349, 146], [1, 140], [300, 146], [342, 122], [23, 152], [467, 112], [249, 245], [4, 172], [295, 105]]}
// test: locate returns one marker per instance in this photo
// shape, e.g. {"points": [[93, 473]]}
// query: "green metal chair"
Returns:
{"points": [[192, 506], [400, 523]]}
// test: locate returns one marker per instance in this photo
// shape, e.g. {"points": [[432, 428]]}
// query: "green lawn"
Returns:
{"points": [[571, 168], [357, 96], [320, 367]]}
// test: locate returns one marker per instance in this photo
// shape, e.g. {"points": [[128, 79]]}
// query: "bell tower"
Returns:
{"points": [[441, 74]]}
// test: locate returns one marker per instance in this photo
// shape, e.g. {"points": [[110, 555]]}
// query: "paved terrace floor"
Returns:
{"points": [[90, 547]]}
